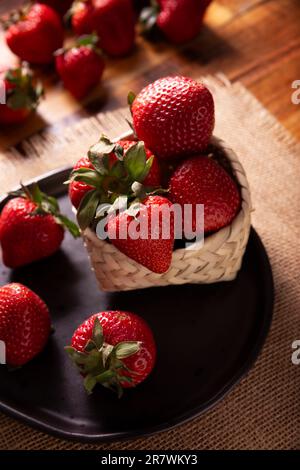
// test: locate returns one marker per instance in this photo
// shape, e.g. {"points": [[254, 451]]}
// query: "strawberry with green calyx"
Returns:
{"points": [[110, 171], [24, 323], [34, 32], [115, 349], [23, 94], [113, 21], [32, 227], [80, 66], [174, 116], [179, 20]]}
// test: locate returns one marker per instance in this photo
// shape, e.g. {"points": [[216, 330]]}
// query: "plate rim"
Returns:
{"points": [[184, 417]]}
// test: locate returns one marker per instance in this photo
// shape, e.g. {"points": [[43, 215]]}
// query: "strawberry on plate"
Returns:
{"points": [[24, 323], [81, 66], [115, 349], [22, 93], [34, 33], [201, 180], [32, 227], [179, 20], [112, 20], [174, 116], [78, 189]]}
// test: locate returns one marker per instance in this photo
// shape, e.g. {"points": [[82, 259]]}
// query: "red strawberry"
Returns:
{"points": [[200, 180], [78, 189], [34, 33], [61, 6], [113, 348], [24, 323], [112, 20], [22, 95], [179, 20], [80, 67], [152, 249], [174, 116], [31, 227]]}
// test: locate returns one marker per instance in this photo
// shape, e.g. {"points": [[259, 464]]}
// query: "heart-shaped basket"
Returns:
{"points": [[219, 259]]}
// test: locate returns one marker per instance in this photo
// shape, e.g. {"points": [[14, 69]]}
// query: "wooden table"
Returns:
{"points": [[254, 41]]}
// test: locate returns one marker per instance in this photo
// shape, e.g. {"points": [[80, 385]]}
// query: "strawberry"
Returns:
{"points": [[22, 94], [80, 67], [174, 116], [61, 6], [31, 227], [113, 348], [201, 180], [78, 189], [34, 33], [179, 20], [112, 20], [152, 251], [24, 323]]}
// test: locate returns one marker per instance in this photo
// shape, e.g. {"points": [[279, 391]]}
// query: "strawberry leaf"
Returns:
{"points": [[89, 383], [130, 98], [69, 225], [87, 40], [126, 349], [90, 177], [97, 335], [135, 161], [87, 208]]}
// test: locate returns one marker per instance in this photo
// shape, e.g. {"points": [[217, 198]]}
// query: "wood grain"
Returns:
{"points": [[254, 41]]}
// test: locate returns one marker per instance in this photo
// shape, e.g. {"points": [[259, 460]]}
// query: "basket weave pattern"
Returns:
{"points": [[219, 259]]}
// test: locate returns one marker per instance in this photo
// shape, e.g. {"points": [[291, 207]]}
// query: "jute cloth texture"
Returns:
{"points": [[263, 411]]}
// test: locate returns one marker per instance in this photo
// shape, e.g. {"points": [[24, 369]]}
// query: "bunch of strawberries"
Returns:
{"points": [[114, 348], [168, 160], [103, 27]]}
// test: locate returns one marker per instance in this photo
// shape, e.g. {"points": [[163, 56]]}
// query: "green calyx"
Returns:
{"points": [[102, 363], [148, 17], [25, 93], [115, 171], [46, 205]]}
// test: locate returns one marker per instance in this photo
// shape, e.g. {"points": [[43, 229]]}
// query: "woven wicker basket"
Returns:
{"points": [[219, 259]]}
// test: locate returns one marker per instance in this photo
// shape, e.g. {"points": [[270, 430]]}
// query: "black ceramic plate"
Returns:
{"points": [[208, 336]]}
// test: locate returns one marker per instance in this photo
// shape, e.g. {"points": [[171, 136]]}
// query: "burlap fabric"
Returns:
{"points": [[263, 411]]}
